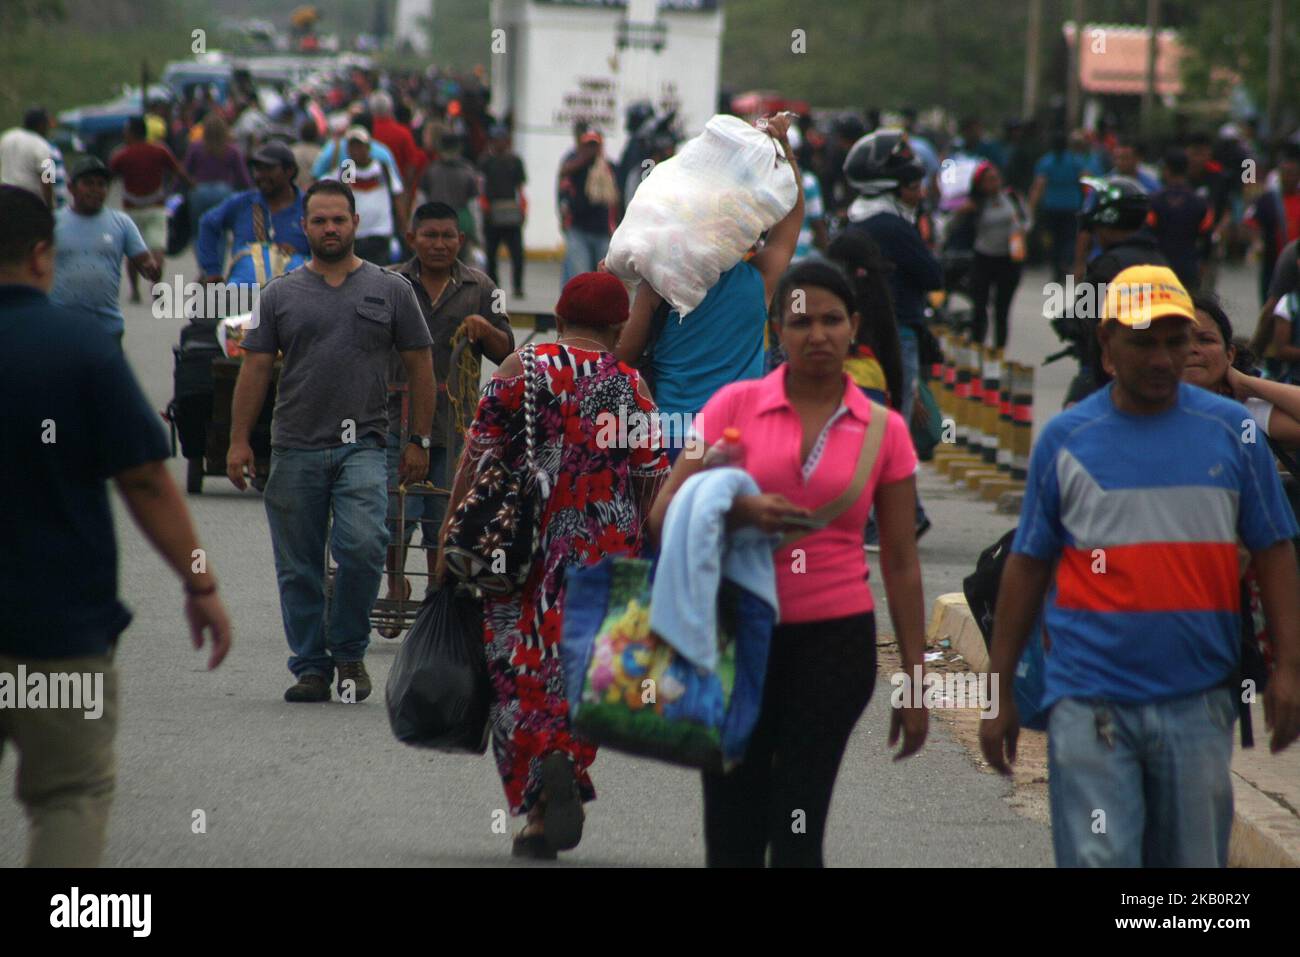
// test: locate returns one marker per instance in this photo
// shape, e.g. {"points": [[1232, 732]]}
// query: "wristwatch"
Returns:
{"points": [[423, 441]]}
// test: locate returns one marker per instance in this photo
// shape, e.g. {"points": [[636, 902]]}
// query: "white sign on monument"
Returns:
{"points": [[556, 62]]}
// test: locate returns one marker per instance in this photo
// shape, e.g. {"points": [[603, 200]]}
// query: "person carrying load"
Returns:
{"points": [[265, 224]]}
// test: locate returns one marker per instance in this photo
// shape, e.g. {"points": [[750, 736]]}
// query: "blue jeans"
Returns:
{"points": [[204, 197], [1162, 785], [910, 350], [583, 250], [304, 489]]}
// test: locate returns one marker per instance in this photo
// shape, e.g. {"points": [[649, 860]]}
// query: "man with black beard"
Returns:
{"points": [[336, 320]]}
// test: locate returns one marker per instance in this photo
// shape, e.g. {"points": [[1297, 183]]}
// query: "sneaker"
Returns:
{"points": [[310, 687], [354, 671]]}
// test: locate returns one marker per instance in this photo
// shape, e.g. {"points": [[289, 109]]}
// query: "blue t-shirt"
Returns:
{"points": [[71, 417], [88, 253], [327, 160], [1144, 513], [813, 211], [717, 343], [1062, 171], [927, 154]]}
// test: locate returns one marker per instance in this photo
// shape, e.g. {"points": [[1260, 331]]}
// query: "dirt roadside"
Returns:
{"points": [[1028, 794]]}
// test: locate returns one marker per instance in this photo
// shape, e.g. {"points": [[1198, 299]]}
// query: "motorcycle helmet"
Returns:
{"points": [[848, 126], [881, 162], [1117, 201], [637, 115]]}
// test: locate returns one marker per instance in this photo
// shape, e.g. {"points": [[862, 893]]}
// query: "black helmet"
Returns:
{"points": [[848, 126], [1117, 201], [880, 162], [637, 114]]}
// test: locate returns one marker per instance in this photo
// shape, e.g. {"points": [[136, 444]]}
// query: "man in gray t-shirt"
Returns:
{"points": [[336, 343], [336, 320]]}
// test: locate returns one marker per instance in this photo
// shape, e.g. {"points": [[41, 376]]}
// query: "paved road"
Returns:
{"points": [[286, 785]]}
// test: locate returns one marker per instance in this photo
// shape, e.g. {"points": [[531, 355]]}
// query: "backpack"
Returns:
{"points": [[981, 591], [1257, 643], [1288, 372]]}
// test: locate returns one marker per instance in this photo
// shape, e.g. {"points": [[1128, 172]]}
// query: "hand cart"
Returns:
{"points": [[398, 614], [199, 412]]}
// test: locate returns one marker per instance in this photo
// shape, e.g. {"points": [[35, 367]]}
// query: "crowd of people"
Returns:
{"points": [[996, 203], [352, 209]]}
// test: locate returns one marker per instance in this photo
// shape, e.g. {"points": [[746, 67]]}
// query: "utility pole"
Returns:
{"points": [[1149, 87], [940, 20], [1033, 40], [1072, 92], [1274, 69]]}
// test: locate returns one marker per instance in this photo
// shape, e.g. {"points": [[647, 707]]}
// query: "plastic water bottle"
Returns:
{"points": [[728, 450]]}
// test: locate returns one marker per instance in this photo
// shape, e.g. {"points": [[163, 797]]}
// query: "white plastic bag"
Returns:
{"points": [[698, 213]]}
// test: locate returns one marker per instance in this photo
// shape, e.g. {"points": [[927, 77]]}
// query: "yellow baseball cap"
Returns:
{"points": [[1141, 294]]}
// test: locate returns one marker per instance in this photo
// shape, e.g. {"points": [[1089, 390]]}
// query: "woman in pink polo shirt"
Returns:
{"points": [[802, 428]]}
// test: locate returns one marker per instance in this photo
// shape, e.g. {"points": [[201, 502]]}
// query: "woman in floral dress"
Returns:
{"points": [[600, 495]]}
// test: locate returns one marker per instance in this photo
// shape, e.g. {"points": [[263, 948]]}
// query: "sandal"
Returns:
{"points": [[562, 815], [393, 631], [532, 843]]}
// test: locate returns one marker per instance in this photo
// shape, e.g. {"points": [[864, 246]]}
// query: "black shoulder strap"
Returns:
{"points": [[1284, 457]]}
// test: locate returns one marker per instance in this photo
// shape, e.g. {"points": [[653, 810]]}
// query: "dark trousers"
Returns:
{"points": [[820, 676], [1266, 265], [1062, 226], [1003, 275], [513, 237], [373, 249]]}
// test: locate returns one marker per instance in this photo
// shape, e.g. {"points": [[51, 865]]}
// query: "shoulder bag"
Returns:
{"points": [[832, 510], [495, 532]]}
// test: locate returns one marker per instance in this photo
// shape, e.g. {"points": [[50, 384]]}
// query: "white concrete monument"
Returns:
{"points": [[555, 62], [411, 24]]}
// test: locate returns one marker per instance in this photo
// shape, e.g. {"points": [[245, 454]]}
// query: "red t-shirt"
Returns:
{"points": [[398, 139], [1291, 207], [143, 168]]}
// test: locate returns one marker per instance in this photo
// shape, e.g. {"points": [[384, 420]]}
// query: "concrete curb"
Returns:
{"points": [[965, 468], [952, 619], [1265, 832]]}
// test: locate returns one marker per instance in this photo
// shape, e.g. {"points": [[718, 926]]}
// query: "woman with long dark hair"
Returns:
{"points": [[1220, 364], [998, 224], [805, 425], [877, 337], [218, 169]]}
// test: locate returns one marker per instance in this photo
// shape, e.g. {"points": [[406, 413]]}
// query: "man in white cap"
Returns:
{"points": [[376, 188]]}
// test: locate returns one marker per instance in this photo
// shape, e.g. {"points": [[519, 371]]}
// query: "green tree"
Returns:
{"points": [[1236, 36], [16, 14]]}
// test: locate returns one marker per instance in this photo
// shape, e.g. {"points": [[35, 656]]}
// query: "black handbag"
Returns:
{"points": [[495, 531]]}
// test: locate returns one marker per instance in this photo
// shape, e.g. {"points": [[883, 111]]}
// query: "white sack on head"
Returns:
{"points": [[698, 213]]}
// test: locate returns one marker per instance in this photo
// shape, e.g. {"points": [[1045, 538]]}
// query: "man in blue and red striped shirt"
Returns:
{"points": [[1140, 495]]}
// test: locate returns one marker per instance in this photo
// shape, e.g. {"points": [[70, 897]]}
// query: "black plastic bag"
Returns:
{"points": [[437, 691]]}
